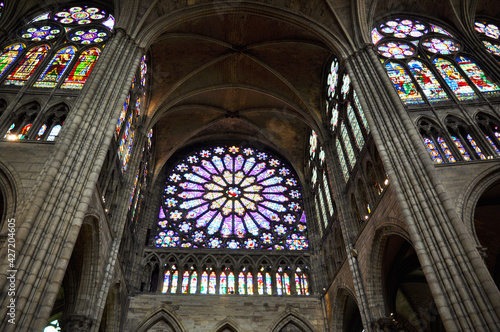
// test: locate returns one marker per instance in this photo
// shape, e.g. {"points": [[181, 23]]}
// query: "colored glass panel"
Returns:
{"points": [[318, 216], [347, 144], [361, 112], [343, 164], [446, 150], [82, 69], [353, 121], [297, 284], [461, 148], [88, 36], [260, 284], [322, 205], [54, 133], [286, 284], [241, 283], [403, 28], [175, 280], [313, 144], [185, 283], [333, 78], [490, 30], [231, 282], [56, 68], [440, 30], [492, 47], [166, 282], [477, 76], [41, 131], [440, 45], [81, 15], [328, 194], [27, 66], [9, 55], [475, 147], [37, 33], [403, 84], [269, 287], [454, 80], [223, 283], [335, 116], [212, 283], [122, 116], [24, 131], [194, 283], [376, 36], [433, 151], [396, 50], [204, 283], [279, 284], [346, 84], [232, 197], [304, 285], [493, 144], [144, 70], [428, 83]]}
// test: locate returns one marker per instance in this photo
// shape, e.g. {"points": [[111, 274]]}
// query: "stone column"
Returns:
{"points": [[49, 224], [465, 294]]}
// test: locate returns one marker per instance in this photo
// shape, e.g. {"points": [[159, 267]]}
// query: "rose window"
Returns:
{"points": [[232, 197]]}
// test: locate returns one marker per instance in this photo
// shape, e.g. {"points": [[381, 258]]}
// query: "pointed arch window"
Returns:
{"points": [[56, 68], [27, 66], [82, 26], [435, 60], [489, 34], [490, 127], [9, 55]]}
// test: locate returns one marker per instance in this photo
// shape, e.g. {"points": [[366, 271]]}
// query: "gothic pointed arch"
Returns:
{"points": [[291, 322], [226, 325], [161, 318]]}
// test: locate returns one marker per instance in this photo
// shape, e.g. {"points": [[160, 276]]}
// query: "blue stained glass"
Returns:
{"points": [[493, 145], [446, 150], [453, 78], [433, 151], [230, 197], [428, 83], [461, 148], [476, 147]]}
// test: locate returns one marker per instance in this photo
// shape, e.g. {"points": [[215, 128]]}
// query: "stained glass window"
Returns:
{"points": [[269, 289], [223, 283], [328, 194], [403, 28], [477, 76], [461, 148], [347, 143], [85, 36], [175, 280], [185, 282], [204, 283], [492, 47], [318, 216], [39, 33], [403, 84], [56, 68], [231, 283], [249, 283], [353, 121], [492, 144], [322, 207], [428, 83], [194, 283], [489, 30], [82, 69], [233, 197], [9, 55], [346, 83], [54, 133], [41, 131], [475, 147], [396, 50], [439, 45], [260, 284], [313, 144], [342, 161], [144, 70], [433, 151], [241, 283], [212, 284], [24, 131], [446, 150], [335, 116], [27, 66], [454, 80], [122, 116], [166, 282], [361, 112]]}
